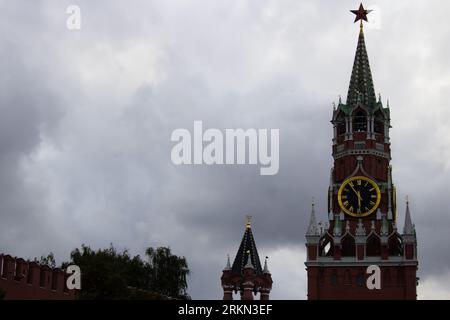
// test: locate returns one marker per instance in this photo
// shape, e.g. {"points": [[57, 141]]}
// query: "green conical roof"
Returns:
{"points": [[361, 84]]}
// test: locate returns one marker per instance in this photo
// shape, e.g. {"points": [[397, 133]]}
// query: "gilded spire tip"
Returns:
{"points": [[248, 221]]}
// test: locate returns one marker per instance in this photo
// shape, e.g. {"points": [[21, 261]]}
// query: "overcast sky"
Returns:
{"points": [[86, 118]]}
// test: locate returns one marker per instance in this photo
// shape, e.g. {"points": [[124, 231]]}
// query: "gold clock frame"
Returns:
{"points": [[365, 214]]}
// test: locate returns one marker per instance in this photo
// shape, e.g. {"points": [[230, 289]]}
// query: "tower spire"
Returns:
{"points": [[228, 265], [409, 226], [248, 221], [361, 87], [247, 252], [266, 268], [312, 228]]}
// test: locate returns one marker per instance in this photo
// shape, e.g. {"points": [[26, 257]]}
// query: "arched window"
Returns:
{"points": [[395, 246], [373, 246], [340, 124], [326, 247], [378, 123], [359, 121], [348, 246]]}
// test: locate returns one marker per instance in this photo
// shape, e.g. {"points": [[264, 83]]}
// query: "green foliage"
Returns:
{"points": [[109, 274], [169, 272], [49, 260], [2, 294]]}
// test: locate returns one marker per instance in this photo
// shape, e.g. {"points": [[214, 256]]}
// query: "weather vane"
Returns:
{"points": [[361, 14]]}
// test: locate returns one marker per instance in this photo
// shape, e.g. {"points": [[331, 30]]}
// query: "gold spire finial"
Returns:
{"points": [[407, 199], [312, 202], [248, 221]]}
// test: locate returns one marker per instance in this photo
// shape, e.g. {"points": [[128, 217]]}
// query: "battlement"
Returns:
{"points": [[25, 280]]}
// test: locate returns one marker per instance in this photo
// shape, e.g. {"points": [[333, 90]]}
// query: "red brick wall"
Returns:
{"points": [[23, 280], [396, 283]]}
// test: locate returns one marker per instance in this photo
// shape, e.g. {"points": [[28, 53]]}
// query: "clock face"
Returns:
{"points": [[359, 196]]}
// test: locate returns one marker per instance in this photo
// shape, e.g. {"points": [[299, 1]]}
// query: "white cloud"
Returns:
{"points": [[435, 287], [287, 267]]}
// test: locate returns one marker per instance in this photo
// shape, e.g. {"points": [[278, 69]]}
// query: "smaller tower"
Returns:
{"points": [[312, 236], [246, 274]]}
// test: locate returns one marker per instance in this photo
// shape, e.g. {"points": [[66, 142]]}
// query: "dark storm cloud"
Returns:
{"points": [[86, 119]]}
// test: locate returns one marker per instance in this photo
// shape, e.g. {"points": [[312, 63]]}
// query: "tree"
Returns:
{"points": [[49, 260], [169, 272], [109, 274]]}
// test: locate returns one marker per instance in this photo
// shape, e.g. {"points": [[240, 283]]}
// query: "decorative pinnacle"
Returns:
{"points": [[360, 230], [266, 269], [248, 221], [312, 228], [228, 266], [409, 226]]}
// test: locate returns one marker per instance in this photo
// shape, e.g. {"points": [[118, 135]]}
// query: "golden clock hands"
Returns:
{"points": [[358, 195], [359, 200], [356, 192]]}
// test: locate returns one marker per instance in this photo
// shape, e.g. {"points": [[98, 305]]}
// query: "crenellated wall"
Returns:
{"points": [[24, 280]]}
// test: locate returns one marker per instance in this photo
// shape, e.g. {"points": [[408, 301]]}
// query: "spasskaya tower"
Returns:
{"points": [[362, 210]]}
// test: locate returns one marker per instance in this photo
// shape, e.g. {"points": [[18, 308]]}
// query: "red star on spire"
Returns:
{"points": [[361, 13]]}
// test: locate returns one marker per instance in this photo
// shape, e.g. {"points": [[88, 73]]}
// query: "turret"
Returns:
{"points": [[409, 235], [245, 274], [312, 236]]}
